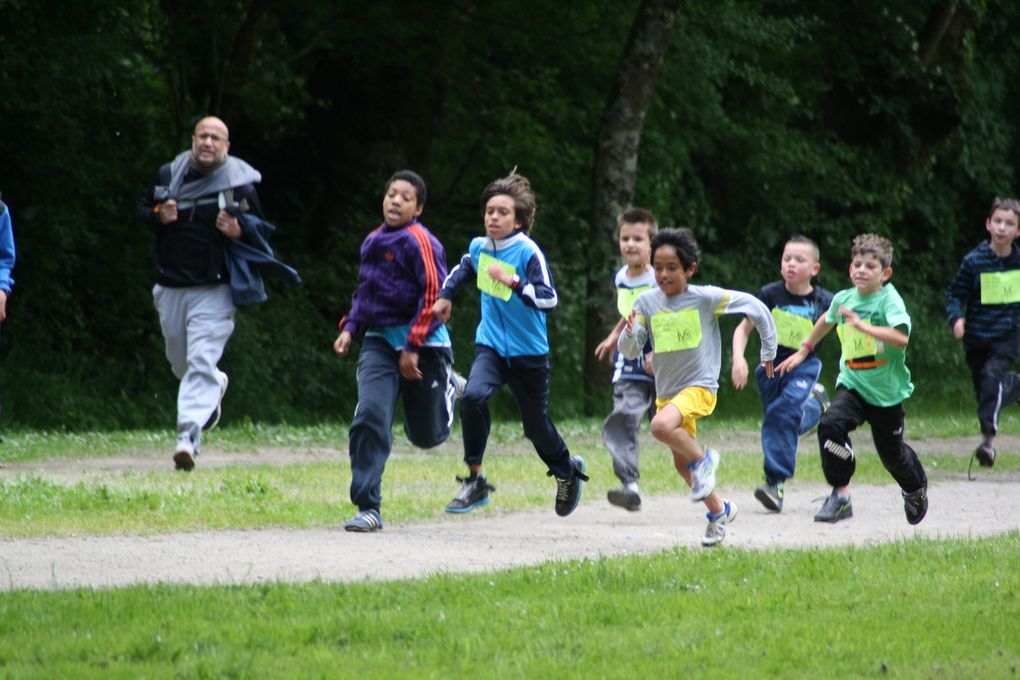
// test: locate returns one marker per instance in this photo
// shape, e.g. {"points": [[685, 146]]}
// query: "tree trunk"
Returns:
{"points": [[615, 174], [235, 72]]}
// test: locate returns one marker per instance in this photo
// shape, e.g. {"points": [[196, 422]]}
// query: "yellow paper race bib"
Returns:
{"points": [[675, 331], [1000, 288], [791, 329], [856, 344], [625, 298], [489, 285]]}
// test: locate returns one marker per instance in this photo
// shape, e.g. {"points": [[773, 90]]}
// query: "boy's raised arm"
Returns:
{"points": [[632, 341], [738, 373], [606, 347]]}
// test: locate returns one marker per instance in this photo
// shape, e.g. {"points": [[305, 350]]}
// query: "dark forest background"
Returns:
{"points": [[761, 119]]}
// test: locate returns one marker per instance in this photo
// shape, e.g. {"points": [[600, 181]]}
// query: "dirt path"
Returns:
{"points": [[72, 471], [486, 541]]}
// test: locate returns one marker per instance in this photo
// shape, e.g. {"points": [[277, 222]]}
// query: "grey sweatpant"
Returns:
{"points": [[196, 323], [632, 399]]}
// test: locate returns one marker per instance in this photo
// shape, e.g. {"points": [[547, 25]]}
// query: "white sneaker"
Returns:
{"points": [[459, 383], [716, 530], [703, 475]]}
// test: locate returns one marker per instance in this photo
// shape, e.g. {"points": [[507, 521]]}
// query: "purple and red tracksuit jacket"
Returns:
{"points": [[401, 272]]}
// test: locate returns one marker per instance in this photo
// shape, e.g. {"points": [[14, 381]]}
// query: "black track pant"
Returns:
{"points": [[847, 412]]}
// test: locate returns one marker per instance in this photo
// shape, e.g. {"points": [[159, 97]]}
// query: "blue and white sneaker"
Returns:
{"points": [[716, 531], [365, 521], [703, 475]]}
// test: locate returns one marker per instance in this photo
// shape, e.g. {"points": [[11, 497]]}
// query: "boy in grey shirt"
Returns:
{"points": [[681, 321]]}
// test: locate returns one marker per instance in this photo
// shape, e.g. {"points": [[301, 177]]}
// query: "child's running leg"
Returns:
{"points": [[899, 459], [784, 399], [529, 379], [995, 384], [676, 426], [631, 399], [838, 461], [370, 435], [428, 403], [487, 376]]}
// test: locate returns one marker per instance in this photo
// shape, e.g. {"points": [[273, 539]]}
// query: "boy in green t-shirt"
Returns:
{"points": [[874, 329]]}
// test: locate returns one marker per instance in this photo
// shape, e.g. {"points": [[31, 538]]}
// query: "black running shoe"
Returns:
{"points": [[985, 454], [474, 492], [625, 498], [568, 490], [771, 496], [915, 504], [835, 509]]}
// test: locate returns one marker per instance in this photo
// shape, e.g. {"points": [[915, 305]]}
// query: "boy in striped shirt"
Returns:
{"points": [[983, 309]]}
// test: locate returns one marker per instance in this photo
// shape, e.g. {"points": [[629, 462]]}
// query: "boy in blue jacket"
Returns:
{"points": [[6, 260], [511, 342]]}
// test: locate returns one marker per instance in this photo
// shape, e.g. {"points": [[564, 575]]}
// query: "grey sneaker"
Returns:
{"points": [[703, 475], [568, 490], [716, 530], [985, 454], [625, 498], [365, 522], [915, 504], [474, 493], [821, 396], [834, 509], [771, 496], [459, 383]]}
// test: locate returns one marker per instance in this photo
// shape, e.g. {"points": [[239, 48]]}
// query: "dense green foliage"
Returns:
{"points": [[826, 118], [917, 609]]}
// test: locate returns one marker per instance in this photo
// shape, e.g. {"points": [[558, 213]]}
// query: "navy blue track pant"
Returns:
{"points": [[528, 378], [428, 412]]}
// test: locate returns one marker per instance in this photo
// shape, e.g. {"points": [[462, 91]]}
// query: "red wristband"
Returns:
{"points": [[808, 346]]}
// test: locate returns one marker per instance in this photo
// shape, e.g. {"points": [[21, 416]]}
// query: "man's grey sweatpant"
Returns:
{"points": [[196, 322]]}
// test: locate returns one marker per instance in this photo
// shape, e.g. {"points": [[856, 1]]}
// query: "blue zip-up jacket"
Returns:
{"points": [[516, 327], [963, 297], [248, 259], [6, 249]]}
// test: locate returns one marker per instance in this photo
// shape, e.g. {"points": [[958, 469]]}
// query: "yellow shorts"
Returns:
{"points": [[693, 403]]}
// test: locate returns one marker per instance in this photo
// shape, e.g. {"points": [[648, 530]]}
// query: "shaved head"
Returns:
{"points": [[210, 142]]}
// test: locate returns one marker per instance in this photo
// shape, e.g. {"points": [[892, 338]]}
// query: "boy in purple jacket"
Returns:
{"points": [[406, 349]]}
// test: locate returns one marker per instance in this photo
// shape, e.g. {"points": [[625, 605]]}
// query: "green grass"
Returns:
{"points": [[917, 609], [417, 485]]}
